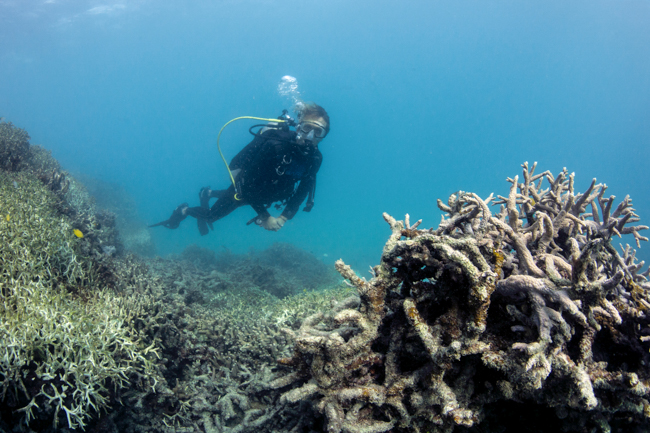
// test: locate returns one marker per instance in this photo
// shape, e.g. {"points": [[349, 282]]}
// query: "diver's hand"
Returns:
{"points": [[274, 224]]}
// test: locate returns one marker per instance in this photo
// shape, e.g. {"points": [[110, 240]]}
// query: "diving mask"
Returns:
{"points": [[311, 130]]}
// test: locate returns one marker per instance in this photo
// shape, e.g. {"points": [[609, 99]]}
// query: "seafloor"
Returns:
{"points": [[523, 318]]}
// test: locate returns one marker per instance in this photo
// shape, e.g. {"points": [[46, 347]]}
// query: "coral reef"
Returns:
{"points": [[69, 197], [525, 319], [281, 270], [530, 308], [94, 338], [64, 348], [297, 265], [68, 346]]}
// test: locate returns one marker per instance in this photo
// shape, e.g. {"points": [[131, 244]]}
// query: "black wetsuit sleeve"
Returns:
{"points": [[261, 210], [306, 185]]}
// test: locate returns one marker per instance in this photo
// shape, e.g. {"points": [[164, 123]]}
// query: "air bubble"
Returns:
{"points": [[288, 88]]}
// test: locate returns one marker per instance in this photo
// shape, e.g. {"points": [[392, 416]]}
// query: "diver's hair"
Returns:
{"points": [[312, 110]]}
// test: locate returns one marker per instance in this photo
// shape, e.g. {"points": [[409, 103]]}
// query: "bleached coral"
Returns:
{"points": [[62, 354]]}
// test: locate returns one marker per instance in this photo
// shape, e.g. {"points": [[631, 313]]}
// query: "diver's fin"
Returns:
{"points": [[203, 226], [175, 220], [204, 197]]}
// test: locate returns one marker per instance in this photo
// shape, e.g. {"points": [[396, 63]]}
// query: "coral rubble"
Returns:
{"points": [[531, 307]]}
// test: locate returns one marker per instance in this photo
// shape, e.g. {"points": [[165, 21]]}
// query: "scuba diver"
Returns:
{"points": [[279, 165]]}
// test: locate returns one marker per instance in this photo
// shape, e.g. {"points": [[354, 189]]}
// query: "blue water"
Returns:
{"points": [[425, 98]]}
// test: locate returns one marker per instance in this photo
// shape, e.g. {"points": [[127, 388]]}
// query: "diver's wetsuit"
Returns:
{"points": [[270, 165]]}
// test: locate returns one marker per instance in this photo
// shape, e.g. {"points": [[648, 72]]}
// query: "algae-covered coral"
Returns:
{"points": [[530, 310]]}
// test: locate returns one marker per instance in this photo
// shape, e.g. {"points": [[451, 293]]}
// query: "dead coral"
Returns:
{"points": [[530, 306]]}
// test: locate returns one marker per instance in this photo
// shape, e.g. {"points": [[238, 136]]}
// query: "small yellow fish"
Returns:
{"points": [[78, 233], [8, 217]]}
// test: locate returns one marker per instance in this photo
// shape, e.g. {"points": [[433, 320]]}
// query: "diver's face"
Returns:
{"points": [[313, 129]]}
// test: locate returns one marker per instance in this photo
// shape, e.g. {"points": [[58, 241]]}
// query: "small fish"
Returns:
{"points": [[78, 233], [8, 217], [15, 184]]}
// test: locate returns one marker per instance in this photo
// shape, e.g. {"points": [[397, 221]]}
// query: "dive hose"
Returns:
{"points": [[232, 179]]}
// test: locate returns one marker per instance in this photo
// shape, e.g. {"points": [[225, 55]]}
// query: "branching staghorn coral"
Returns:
{"points": [[530, 306], [62, 355]]}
